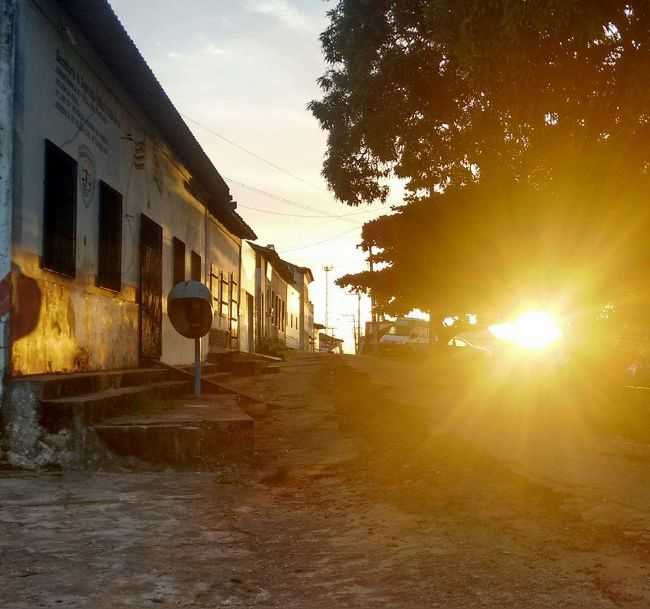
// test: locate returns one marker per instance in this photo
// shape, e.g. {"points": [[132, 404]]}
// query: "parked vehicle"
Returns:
{"points": [[405, 335], [480, 346]]}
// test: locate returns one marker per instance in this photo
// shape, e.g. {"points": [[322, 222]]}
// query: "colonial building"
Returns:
{"points": [[302, 277], [283, 310], [107, 200]]}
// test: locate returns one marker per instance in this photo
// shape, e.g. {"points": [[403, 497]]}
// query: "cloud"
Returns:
{"points": [[210, 49], [281, 10], [206, 51]]}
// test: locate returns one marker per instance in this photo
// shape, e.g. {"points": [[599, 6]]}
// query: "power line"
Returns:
{"points": [[288, 201], [251, 153], [325, 217], [304, 247], [274, 166]]}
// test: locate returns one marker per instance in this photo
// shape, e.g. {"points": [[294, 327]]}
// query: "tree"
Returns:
{"points": [[520, 130]]}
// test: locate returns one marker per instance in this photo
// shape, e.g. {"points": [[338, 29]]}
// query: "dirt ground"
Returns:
{"points": [[375, 484]]}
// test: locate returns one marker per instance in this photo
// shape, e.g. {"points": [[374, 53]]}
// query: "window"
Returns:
{"points": [[195, 266], [225, 295], [234, 298], [274, 309], [179, 260], [59, 211], [109, 258], [215, 287], [234, 308]]}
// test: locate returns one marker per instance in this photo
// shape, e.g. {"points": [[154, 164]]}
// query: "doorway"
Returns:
{"points": [[150, 289]]}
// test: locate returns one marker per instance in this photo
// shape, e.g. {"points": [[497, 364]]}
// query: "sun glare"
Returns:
{"points": [[534, 330]]}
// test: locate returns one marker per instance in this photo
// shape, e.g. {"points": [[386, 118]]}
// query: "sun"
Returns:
{"points": [[531, 330]]}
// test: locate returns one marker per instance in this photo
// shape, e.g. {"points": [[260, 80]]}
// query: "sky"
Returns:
{"points": [[245, 71]]}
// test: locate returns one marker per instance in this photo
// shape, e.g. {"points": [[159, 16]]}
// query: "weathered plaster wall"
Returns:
{"points": [[69, 324], [301, 281]]}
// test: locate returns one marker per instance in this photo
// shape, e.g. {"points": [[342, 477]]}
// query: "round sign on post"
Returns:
{"points": [[189, 306]]}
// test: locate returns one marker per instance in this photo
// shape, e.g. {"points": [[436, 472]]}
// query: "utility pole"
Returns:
{"points": [[327, 268], [358, 323], [373, 303]]}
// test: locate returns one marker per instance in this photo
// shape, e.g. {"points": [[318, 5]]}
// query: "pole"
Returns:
{"points": [[373, 304], [197, 367], [327, 268], [358, 323]]}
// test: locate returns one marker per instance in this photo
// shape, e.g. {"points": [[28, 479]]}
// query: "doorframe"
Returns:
{"points": [[141, 356]]}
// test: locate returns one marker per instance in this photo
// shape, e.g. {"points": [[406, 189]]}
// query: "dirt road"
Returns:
{"points": [[373, 486]]}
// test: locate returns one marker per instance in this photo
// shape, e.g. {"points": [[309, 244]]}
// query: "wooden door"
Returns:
{"points": [[150, 289]]}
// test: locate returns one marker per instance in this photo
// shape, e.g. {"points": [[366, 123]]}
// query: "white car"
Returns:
{"points": [[405, 335]]}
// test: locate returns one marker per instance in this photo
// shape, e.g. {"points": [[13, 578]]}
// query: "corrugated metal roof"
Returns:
{"points": [[100, 24]]}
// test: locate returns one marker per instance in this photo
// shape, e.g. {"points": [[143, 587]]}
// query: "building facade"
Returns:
{"points": [[247, 323], [111, 201], [284, 312], [107, 201]]}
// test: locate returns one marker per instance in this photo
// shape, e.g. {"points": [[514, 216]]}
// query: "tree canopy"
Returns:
{"points": [[521, 131]]}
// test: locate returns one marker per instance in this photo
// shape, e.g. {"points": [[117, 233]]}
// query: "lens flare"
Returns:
{"points": [[534, 330]]}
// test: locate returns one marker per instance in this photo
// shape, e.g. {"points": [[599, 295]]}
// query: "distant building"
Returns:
{"points": [[302, 278], [315, 337], [329, 344], [283, 311]]}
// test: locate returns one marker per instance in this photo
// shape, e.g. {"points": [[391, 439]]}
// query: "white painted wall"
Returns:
{"points": [[223, 255], [293, 311]]}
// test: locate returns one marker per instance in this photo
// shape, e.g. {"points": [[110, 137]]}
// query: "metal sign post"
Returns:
{"points": [[189, 306], [197, 367]]}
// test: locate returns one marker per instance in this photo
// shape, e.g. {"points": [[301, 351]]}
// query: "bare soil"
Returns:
{"points": [[375, 484]]}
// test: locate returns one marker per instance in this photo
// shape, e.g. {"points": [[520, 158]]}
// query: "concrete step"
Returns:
{"points": [[246, 367], [258, 356], [217, 376], [197, 433], [54, 386], [206, 368], [52, 432], [83, 410], [227, 359]]}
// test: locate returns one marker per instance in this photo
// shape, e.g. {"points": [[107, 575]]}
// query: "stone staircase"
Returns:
{"points": [[79, 420], [190, 433]]}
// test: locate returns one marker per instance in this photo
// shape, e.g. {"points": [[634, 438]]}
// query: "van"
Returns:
{"points": [[405, 335]]}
